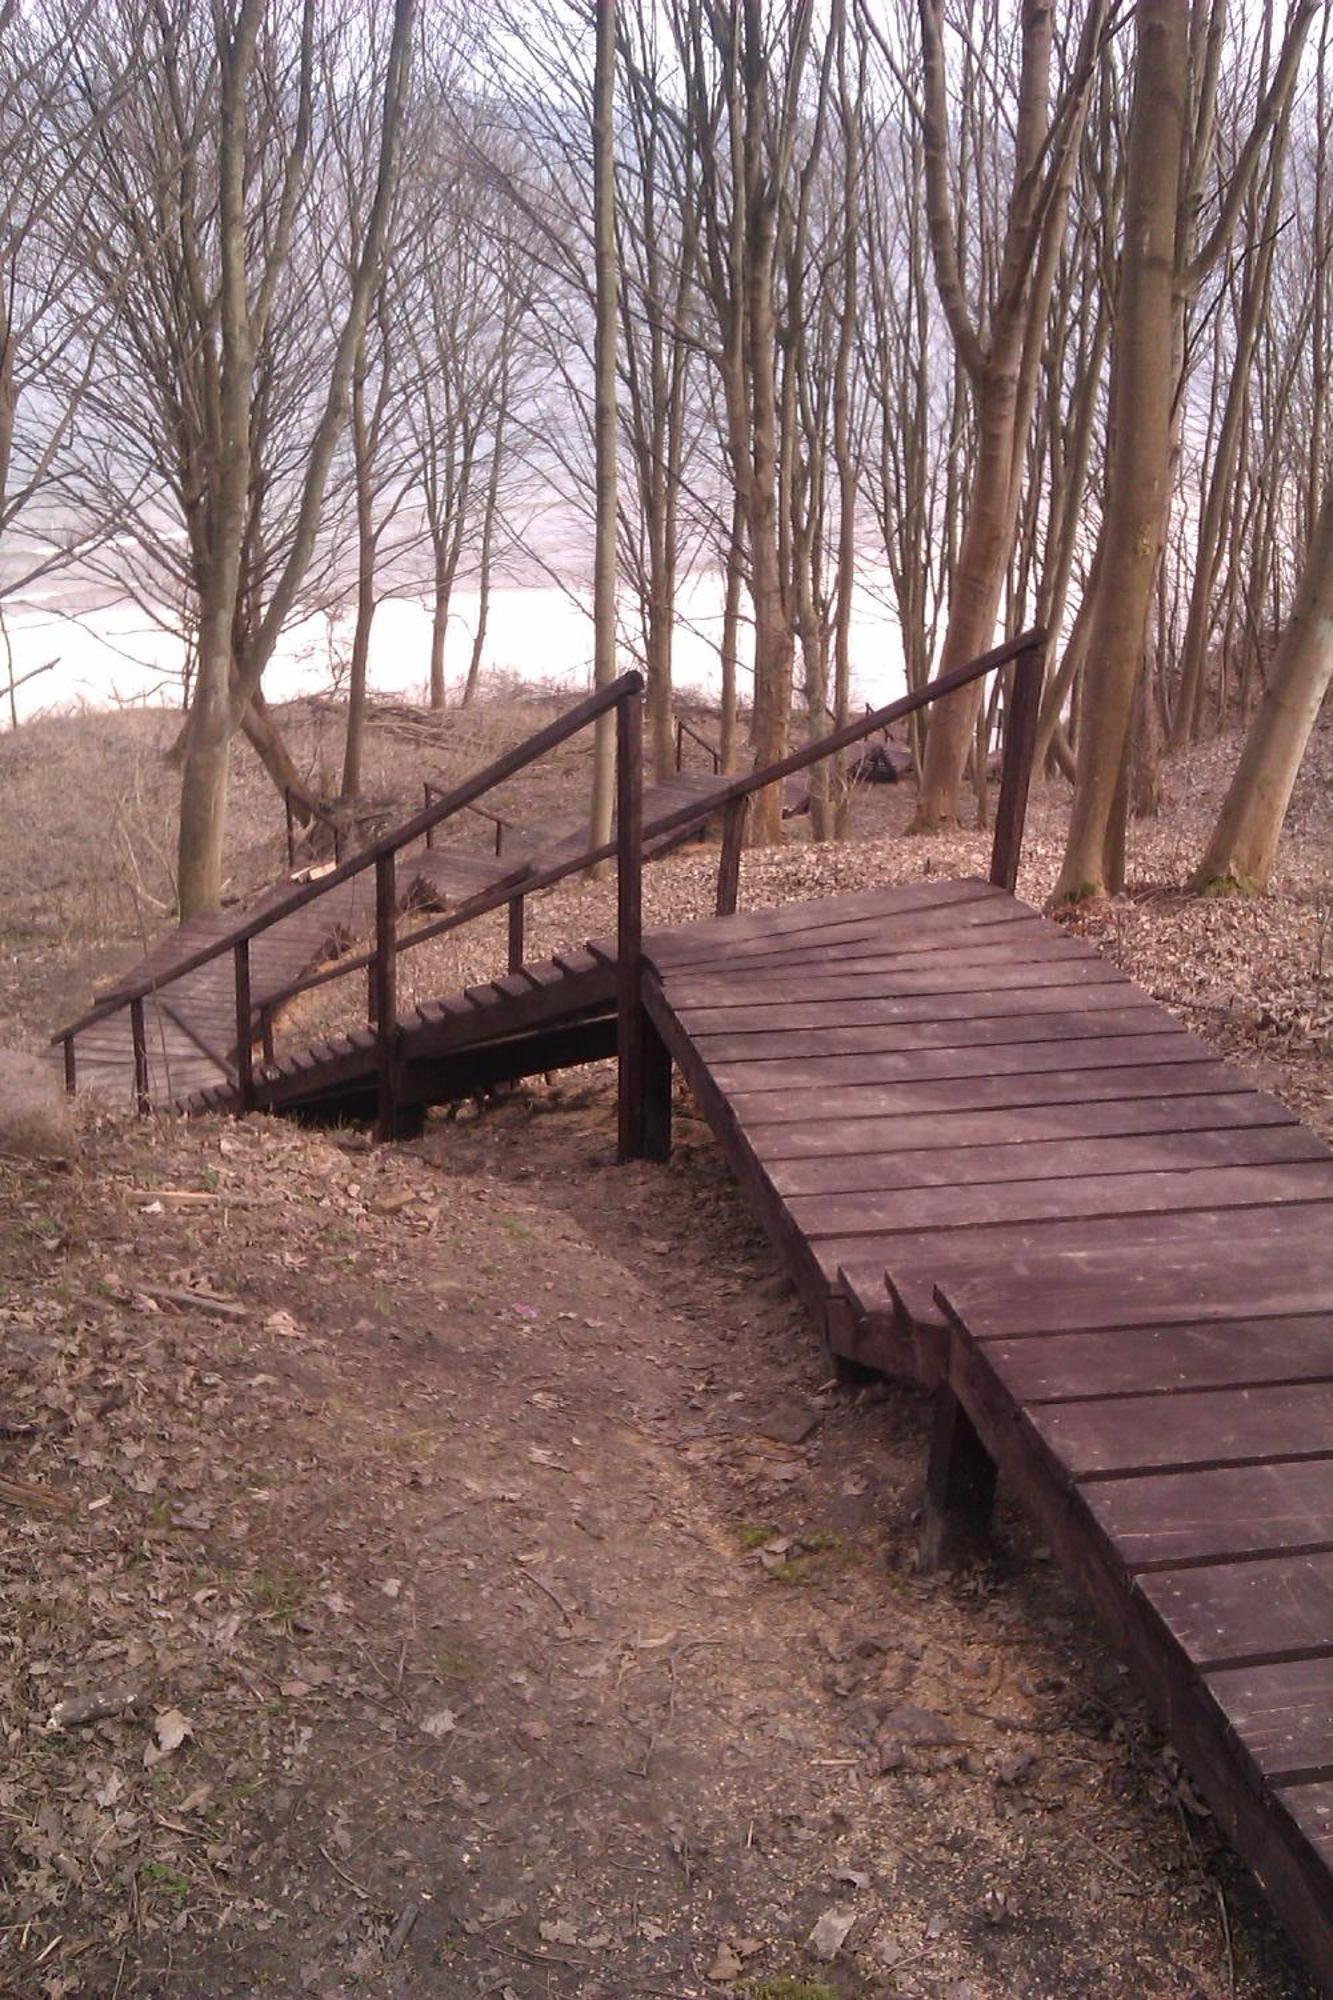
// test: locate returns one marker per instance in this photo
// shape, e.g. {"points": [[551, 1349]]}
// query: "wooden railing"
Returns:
{"points": [[684, 728], [1025, 654], [621, 696]]}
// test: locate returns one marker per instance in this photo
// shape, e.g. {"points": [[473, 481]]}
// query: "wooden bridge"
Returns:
{"points": [[991, 1165]]}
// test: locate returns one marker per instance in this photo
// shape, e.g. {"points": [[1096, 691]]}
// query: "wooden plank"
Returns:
{"points": [[1101, 1012], [1247, 1613], [1208, 1270], [1166, 1520], [1073, 1086], [902, 900], [1204, 1427], [969, 1166], [1311, 1809], [818, 1073], [864, 1011], [1204, 1354], [918, 940], [1020, 1201], [794, 990]]}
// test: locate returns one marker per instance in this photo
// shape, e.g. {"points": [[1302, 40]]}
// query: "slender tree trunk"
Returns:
{"points": [[731, 624], [354, 742], [203, 805], [1140, 443], [605, 415], [1243, 847]]}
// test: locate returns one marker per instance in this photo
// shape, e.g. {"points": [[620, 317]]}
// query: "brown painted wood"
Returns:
{"points": [[1018, 1201], [1172, 1520], [1243, 1268], [1205, 1354], [866, 1008], [1071, 1086], [850, 1072], [1100, 1011], [1243, 1613], [1207, 1427], [1063, 1122], [1073, 975], [964, 1166]]}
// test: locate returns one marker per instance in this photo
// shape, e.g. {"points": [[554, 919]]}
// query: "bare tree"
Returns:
{"points": [[196, 195]]}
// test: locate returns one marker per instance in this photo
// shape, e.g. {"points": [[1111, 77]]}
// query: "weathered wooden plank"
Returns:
{"points": [[919, 937], [818, 1073], [1207, 1354], [865, 1010], [1252, 1265], [901, 902], [961, 1165], [1245, 1613], [795, 989], [1021, 1201], [1204, 1427], [1166, 1520], [1103, 1014], [977, 1094]]}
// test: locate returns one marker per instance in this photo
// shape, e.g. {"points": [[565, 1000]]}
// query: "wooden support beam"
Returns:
{"points": [[960, 1485]]}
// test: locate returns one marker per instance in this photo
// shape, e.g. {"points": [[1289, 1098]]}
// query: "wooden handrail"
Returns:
{"points": [[839, 739], [388, 844]]}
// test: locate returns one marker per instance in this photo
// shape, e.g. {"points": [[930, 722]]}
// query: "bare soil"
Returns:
{"points": [[471, 1582]]}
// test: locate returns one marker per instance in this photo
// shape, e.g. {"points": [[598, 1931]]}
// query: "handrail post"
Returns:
{"points": [[680, 743], [1020, 743], [515, 933], [245, 1052], [137, 1037], [266, 1033], [425, 799], [629, 927], [729, 862], [385, 976], [291, 833], [70, 1074]]}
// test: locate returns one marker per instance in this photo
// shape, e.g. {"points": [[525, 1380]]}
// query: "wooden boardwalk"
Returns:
{"points": [[993, 1165]]}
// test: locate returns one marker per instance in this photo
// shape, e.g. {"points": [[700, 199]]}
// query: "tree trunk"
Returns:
{"points": [[604, 417], [1243, 846], [365, 591], [1140, 445]]}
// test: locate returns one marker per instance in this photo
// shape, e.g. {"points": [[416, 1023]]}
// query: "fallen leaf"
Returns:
{"points": [[170, 1730], [442, 1723], [829, 1935], [726, 1966]]}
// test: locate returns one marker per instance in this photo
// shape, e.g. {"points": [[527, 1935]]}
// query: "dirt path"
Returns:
{"points": [[528, 1612]]}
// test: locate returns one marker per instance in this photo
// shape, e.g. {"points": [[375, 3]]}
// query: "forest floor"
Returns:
{"points": [[471, 1580]]}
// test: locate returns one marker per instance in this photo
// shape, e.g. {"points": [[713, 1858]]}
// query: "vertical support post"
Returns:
{"points": [[960, 1484], [266, 1032], [680, 744], [291, 826], [1020, 743], [629, 926], [729, 863], [656, 1093], [137, 1036], [515, 933], [245, 1048], [385, 974], [71, 1083], [430, 830]]}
